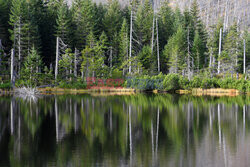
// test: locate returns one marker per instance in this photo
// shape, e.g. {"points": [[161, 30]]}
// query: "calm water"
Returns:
{"points": [[137, 130]]}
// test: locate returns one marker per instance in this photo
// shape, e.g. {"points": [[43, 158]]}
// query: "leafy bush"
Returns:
{"points": [[5, 86], [183, 82], [146, 82], [72, 85], [116, 74], [195, 82], [208, 83], [171, 82]]}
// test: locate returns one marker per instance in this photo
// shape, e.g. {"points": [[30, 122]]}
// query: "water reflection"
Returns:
{"points": [[137, 130]]}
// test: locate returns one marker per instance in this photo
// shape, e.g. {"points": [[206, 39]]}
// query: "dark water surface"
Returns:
{"points": [[136, 130]]}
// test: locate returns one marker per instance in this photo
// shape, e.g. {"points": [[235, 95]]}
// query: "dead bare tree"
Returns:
{"points": [[219, 63]]}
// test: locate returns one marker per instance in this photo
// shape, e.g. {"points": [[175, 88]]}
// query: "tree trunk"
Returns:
{"points": [[12, 68], [110, 57], [188, 61], [19, 47], [153, 34], [219, 63], [130, 40], [57, 123], [57, 57], [75, 63], [244, 57], [158, 50]]}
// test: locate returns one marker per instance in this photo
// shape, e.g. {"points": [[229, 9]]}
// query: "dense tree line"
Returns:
{"points": [[108, 40]]}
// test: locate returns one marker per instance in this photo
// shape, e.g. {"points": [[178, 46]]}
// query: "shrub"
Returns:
{"points": [[195, 82], [5, 86], [208, 83], [227, 83], [171, 82], [72, 85], [183, 82]]}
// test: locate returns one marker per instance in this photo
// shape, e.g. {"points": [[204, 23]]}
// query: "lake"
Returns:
{"points": [[125, 130]]}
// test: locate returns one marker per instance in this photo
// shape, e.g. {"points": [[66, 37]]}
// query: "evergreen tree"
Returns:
{"points": [[30, 70], [213, 46], [198, 30], [230, 58], [83, 16], [196, 51], [143, 24], [24, 32], [112, 23], [174, 51], [4, 26], [62, 23], [123, 45], [66, 64], [88, 54], [166, 24]]}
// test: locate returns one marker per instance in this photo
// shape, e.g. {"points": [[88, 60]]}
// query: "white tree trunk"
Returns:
{"points": [[57, 57], [57, 123], [153, 35], [12, 67], [130, 40], [188, 61], [244, 57], [130, 136], [158, 50], [75, 63], [12, 117], [111, 57], [219, 63], [19, 47]]}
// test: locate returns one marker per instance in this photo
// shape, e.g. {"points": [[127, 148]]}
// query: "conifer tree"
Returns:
{"points": [[62, 23], [143, 24], [83, 16], [123, 45], [4, 26], [230, 58], [174, 51], [30, 72]]}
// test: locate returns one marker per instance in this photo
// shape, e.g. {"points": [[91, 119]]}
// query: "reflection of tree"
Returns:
{"points": [[114, 130]]}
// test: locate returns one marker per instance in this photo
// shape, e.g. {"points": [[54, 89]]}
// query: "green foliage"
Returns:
{"points": [[72, 85], [171, 82], [174, 51], [146, 82], [195, 82], [30, 71], [5, 86]]}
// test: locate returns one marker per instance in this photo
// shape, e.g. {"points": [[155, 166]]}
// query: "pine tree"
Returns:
{"points": [[30, 72], [24, 32], [62, 23], [166, 24], [112, 23], [196, 51], [213, 46], [198, 27], [143, 24], [4, 26], [83, 16], [174, 51], [66, 64], [88, 55], [230, 58], [123, 45]]}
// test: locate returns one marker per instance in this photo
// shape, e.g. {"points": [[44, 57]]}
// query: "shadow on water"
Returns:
{"points": [[135, 130]]}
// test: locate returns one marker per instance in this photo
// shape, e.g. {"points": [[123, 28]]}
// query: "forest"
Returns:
{"points": [[52, 43]]}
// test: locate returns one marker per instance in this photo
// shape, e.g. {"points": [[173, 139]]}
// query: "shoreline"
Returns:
{"points": [[129, 91]]}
